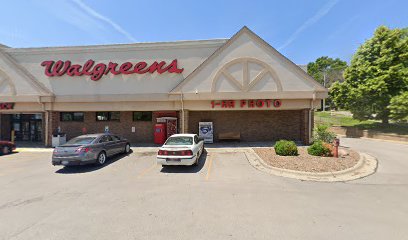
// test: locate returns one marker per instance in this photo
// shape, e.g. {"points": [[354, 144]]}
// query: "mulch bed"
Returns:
{"points": [[308, 163]]}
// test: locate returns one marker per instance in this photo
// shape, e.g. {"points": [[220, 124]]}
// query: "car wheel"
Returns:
{"points": [[101, 158], [5, 150], [127, 148]]}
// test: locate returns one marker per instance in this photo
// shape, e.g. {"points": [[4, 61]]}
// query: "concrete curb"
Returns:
{"points": [[366, 166], [34, 149]]}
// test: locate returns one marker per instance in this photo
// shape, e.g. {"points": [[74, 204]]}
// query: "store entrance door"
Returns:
{"points": [[27, 127]]}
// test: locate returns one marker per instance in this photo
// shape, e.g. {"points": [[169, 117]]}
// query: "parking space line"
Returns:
{"points": [[144, 172], [209, 166]]}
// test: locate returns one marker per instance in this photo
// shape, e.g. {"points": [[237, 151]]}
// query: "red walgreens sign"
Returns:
{"points": [[6, 106], [252, 103], [59, 68]]}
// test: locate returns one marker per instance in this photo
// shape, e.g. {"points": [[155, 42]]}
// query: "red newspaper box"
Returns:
{"points": [[160, 134]]}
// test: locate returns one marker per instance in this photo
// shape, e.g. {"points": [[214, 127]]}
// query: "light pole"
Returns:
{"points": [[324, 85]]}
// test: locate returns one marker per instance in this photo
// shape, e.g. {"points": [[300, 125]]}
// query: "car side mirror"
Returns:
{"points": [[200, 139]]}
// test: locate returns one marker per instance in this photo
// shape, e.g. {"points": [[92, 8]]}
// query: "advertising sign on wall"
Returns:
{"points": [[96, 71], [206, 131], [6, 106], [251, 103]]}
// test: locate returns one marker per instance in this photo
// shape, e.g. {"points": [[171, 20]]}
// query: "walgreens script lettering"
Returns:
{"points": [[59, 68]]}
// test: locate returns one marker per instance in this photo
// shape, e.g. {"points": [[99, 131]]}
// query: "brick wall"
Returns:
{"points": [[255, 125], [143, 129], [5, 127]]}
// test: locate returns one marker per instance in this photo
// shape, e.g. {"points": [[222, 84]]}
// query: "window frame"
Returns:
{"points": [[143, 113], [72, 117], [108, 116]]}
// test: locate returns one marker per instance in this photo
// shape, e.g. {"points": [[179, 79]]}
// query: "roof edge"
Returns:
{"points": [[142, 45]]}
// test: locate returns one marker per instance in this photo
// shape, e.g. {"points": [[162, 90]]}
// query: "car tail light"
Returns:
{"points": [[163, 152], [186, 153], [82, 150]]}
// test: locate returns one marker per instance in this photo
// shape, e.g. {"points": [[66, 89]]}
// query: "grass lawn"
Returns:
{"points": [[345, 120]]}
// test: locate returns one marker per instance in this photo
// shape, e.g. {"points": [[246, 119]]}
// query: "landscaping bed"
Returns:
{"points": [[308, 163]]}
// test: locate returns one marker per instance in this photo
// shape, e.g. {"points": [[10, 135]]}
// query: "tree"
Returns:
{"points": [[399, 107], [378, 72], [328, 69]]}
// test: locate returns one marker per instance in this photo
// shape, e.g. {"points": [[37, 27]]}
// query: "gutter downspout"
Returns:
{"points": [[310, 116], [182, 112]]}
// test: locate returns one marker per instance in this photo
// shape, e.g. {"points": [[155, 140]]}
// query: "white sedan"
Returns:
{"points": [[181, 149]]}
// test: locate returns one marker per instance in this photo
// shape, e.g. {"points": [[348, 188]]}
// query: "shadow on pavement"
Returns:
{"points": [[13, 152], [186, 169], [91, 167]]}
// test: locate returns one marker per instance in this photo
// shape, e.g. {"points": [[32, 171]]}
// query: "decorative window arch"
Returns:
{"points": [[248, 83], [5, 82]]}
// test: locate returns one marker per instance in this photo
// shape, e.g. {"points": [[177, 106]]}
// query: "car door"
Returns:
{"points": [[119, 144], [107, 144], [111, 145]]}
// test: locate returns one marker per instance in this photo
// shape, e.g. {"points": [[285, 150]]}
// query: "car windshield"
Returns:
{"points": [[80, 140], [179, 141]]}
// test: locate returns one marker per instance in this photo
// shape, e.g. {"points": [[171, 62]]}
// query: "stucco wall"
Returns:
{"points": [[189, 54]]}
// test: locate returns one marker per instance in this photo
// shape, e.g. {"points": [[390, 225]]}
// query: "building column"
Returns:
{"points": [[307, 126], [310, 125], [184, 121], [51, 123]]}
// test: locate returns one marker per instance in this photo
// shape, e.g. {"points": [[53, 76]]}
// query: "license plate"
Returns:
{"points": [[173, 159], [64, 162]]}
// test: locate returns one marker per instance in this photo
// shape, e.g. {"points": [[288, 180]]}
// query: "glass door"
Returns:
{"points": [[27, 127]]}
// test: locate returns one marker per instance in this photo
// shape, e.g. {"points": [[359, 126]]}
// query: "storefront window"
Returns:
{"points": [[107, 116], [142, 116], [72, 117]]}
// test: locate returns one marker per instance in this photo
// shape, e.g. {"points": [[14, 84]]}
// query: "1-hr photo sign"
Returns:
{"points": [[251, 103]]}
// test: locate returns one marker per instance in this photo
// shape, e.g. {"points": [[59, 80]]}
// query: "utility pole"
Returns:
{"points": [[324, 85]]}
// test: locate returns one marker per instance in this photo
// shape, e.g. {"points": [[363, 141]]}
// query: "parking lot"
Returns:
{"points": [[223, 198]]}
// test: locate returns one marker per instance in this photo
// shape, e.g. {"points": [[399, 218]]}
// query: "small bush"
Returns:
{"points": [[321, 133], [320, 148], [286, 148]]}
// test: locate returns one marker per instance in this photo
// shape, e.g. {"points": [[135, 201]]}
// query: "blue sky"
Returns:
{"points": [[301, 30]]}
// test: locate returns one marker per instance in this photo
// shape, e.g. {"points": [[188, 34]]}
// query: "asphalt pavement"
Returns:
{"points": [[222, 198]]}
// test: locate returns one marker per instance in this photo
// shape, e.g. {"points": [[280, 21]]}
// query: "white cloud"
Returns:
{"points": [[309, 22], [94, 14], [81, 16]]}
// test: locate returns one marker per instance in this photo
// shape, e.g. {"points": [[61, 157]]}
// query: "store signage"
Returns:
{"points": [[96, 71], [6, 106], [251, 103]]}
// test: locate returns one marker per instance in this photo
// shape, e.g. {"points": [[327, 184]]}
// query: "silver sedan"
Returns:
{"points": [[88, 149]]}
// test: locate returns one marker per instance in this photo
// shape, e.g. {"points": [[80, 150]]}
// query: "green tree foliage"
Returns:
{"points": [[378, 72], [399, 107], [332, 68], [322, 133]]}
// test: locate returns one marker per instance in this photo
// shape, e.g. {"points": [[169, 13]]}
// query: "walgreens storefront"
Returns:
{"points": [[242, 86]]}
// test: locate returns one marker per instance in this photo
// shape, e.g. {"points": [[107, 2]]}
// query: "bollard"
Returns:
{"points": [[336, 144]]}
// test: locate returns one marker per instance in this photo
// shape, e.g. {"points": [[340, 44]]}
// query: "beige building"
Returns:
{"points": [[241, 84]]}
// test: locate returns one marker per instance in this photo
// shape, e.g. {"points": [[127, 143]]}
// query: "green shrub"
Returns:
{"points": [[319, 148], [286, 148], [321, 133]]}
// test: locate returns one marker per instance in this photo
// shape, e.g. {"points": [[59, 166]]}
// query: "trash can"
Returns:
{"points": [[58, 139]]}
